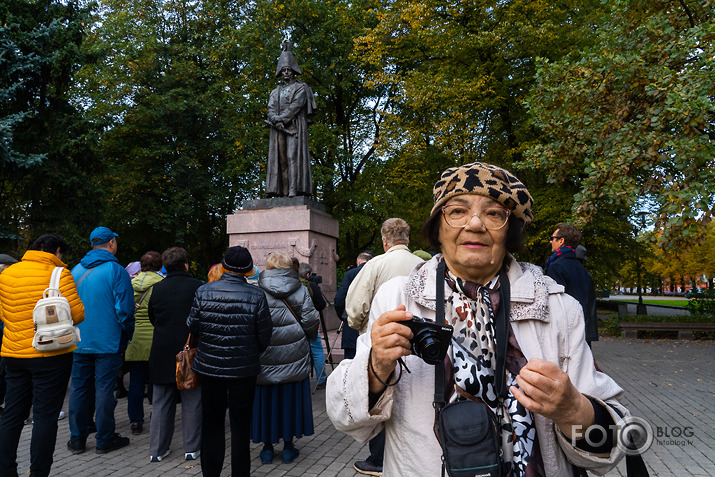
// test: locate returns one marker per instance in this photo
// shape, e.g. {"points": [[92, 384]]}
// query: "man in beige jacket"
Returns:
{"points": [[396, 261]]}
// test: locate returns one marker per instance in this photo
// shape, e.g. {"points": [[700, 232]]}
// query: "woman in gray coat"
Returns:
{"points": [[282, 406]]}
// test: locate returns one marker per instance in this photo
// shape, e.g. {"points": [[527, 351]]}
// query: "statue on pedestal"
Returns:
{"points": [[290, 110]]}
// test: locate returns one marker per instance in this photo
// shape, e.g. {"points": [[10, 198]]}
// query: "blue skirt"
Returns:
{"points": [[282, 411]]}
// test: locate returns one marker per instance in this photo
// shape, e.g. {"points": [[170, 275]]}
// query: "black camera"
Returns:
{"points": [[430, 341], [317, 279]]}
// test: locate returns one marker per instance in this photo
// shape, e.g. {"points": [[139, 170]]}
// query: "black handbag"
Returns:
{"points": [[469, 435]]}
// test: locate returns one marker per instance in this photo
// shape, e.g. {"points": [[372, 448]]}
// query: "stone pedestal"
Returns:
{"points": [[297, 226]]}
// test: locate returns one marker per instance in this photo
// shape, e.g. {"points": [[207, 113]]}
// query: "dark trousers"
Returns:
{"points": [[377, 449], [40, 383], [236, 395], [138, 372]]}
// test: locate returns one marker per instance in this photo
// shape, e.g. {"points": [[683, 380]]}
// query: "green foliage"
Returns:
{"points": [[635, 114], [47, 168], [610, 327], [148, 115], [702, 302]]}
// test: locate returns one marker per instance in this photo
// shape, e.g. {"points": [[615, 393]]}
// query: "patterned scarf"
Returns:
{"points": [[474, 356], [561, 251]]}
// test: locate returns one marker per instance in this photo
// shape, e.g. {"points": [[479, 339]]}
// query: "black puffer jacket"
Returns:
{"points": [[287, 359], [233, 325]]}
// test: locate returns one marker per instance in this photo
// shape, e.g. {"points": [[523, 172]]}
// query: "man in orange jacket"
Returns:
{"points": [[34, 378]]}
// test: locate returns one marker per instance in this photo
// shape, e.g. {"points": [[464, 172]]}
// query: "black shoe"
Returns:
{"points": [[117, 442], [76, 447], [121, 393], [320, 386], [136, 428], [368, 468]]}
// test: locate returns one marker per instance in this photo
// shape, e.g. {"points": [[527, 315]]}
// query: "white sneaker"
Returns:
{"points": [[159, 458], [192, 455], [61, 416]]}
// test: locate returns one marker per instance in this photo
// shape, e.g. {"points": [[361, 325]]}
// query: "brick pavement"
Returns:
{"points": [[669, 383]]}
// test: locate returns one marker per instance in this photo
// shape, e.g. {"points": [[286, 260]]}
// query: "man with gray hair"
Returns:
{"points": [[396, 261]]}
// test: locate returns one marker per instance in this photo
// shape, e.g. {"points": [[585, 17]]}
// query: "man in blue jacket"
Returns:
{"points": [[350, 335], [106, 291], [565, 267]]}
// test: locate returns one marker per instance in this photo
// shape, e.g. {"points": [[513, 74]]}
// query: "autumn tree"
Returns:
{"points": [[634, 115]]}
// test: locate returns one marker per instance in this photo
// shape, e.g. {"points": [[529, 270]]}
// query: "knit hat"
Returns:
{"points": [[237, 260], [486, 180]]}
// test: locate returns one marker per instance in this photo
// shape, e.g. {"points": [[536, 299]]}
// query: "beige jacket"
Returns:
{"points": [[547, 323], [397, 261]]}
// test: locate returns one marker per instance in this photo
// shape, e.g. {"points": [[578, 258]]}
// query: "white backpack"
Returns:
{"points": [[52, 315]]}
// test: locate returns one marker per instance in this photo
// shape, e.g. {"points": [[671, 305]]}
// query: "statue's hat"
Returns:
{"points": [[287, 59]]}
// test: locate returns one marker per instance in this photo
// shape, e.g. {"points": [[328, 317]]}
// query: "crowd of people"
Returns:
{"points": [[518, 344], [255, 337]]}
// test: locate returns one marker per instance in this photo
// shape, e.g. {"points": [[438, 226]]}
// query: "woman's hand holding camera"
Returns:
{"points": [[390, 341], [547, 390]]}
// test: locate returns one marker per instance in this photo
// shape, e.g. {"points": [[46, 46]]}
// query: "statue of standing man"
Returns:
{"points": [[290, 111]]}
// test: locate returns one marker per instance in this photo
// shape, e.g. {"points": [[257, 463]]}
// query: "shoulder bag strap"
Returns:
{"points": [[291, 311], [312, 365], [439, 399], [139, 303], [84, 276], [501, 325], [55, 281]]}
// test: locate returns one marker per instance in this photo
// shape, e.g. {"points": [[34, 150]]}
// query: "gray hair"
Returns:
{"points": [[304, 269], [395, 231]]}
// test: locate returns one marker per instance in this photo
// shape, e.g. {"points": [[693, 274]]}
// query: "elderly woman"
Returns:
{"points": [[547, 386], [137, 353], [282, 408]]}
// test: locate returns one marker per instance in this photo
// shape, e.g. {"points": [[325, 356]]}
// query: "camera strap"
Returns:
{"points": [[439, 400]]}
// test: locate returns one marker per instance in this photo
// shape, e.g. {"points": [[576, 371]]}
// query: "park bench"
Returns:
{"points": [[685, 330]]}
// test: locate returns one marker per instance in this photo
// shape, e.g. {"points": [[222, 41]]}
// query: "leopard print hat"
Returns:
{"points": [[489, 181]]}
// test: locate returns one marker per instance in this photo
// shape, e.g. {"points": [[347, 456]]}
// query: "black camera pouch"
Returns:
{"points": [[470, 440]]}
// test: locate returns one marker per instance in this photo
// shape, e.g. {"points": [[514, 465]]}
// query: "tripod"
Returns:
{"points": [[328, 347]]}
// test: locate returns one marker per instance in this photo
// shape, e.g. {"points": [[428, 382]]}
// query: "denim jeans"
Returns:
{"points": [[138, 371], [40, 383], [316, 349], [98, 371]]}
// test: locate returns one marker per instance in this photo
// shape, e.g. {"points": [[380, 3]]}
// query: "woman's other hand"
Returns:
{"points": [[390, 341], [545, 389]]}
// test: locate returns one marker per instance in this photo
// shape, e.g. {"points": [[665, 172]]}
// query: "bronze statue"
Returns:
{"points": [[290, 111]]}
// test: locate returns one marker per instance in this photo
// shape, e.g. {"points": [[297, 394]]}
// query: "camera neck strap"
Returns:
{"points": [[501, 325]]}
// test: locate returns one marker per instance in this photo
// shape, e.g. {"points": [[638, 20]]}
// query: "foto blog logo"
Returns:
{"points": [[632, 435]]}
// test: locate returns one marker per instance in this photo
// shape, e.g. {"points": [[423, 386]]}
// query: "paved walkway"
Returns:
{"points": [[669, 383]]}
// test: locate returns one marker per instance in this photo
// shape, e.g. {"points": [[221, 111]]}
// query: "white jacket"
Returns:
{"points": [[397, 261], [547, 324]]}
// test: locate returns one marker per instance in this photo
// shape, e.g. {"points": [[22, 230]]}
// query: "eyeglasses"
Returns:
{"points": [[457, 215], [554, 237]]}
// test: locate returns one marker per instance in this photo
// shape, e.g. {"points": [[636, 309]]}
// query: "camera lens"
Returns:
{"points": [[428, 347]]}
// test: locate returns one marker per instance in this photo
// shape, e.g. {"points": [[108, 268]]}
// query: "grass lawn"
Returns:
{"points": [[656, 301]]}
